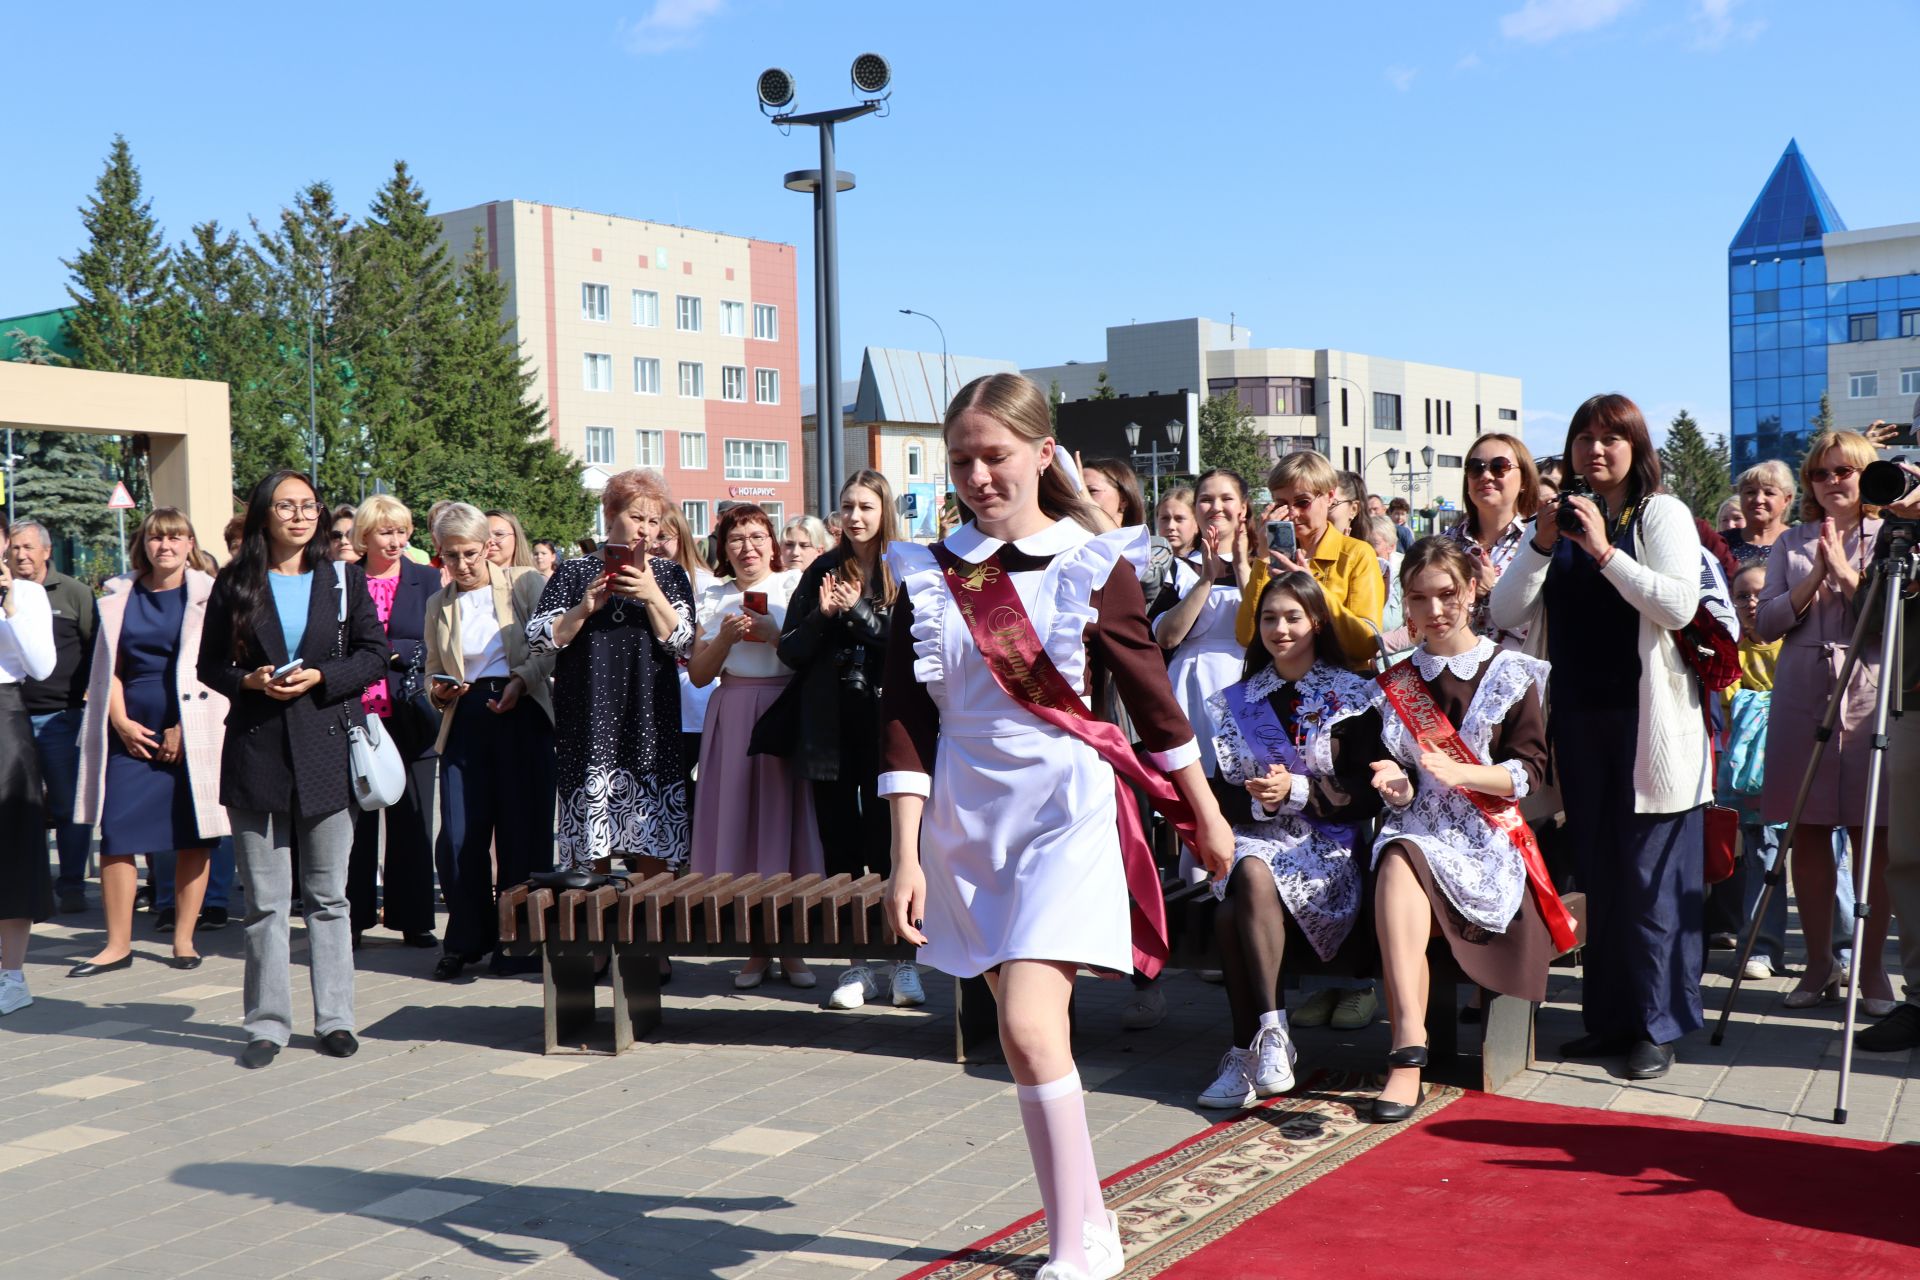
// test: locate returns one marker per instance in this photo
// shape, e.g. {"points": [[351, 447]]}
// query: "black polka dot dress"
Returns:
{"points": [[616, 705]]}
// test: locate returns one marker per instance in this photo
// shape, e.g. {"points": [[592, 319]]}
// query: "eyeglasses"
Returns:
{"points": [[287, 510], [1304, 502], [741, 541], [1820, 475], [1498, 468]]}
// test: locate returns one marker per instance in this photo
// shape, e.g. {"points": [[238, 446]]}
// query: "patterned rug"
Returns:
{"points": [[1184, 1199]]}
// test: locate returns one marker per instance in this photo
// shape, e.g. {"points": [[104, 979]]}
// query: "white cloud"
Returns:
{"points": [[670, 25], [1715, 24], [1471, 62], [1543, 21], [1401, 78]]}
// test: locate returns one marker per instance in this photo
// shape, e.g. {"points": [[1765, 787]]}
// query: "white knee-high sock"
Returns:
{"points": [[1055, 1117]]}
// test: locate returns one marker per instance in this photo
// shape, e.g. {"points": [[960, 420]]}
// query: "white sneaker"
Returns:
{"points": [[1105, 1256], [1148, 1008], [1234, 1088], [1273, 1059], [14, 994], [856, 987], [907, 991], [1758, 969]]}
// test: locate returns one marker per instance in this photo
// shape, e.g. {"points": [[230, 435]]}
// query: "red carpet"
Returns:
{"points": [[1491, 1186]]}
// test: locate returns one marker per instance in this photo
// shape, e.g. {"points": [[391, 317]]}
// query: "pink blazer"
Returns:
{"points": [[203, 712]]}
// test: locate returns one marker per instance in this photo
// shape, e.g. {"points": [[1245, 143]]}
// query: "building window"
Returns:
{"points": [[693, 451], [1344, 421], [916, 462], [1509, 415], [696, 514], [595, 302], [766, 386], [776, 512], [1766, 299], [646, 376], [693, 379], [1910, 324], [1863, 386], [596, 372], [646, 308], [649, 448], [1910, 382], [1449, 417], [756, 460], [766, 322], [686, 313], [1447, 460], [600, 446], [733, 319], [1386, 411], [733, 382], [1863, 328]]}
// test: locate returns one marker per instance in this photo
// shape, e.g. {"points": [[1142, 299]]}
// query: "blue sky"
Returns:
{"points": [[1542, 188]]}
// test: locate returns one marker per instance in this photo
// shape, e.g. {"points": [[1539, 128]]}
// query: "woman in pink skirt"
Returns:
{"points": [[751, 814]]}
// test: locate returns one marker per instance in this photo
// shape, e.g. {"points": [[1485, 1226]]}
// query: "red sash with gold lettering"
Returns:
{"points": [[998, 622], [1413, 702]]}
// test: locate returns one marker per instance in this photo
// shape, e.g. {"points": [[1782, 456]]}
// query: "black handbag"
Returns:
{"points": [[423, 716]]}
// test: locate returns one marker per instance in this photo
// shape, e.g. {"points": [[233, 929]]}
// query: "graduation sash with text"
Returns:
{"points": [[1268, 738], [998, 622], [1413, 702]]}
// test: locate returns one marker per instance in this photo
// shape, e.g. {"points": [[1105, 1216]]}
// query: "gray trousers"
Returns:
{"points": [[262, 845], [1903, 842]]}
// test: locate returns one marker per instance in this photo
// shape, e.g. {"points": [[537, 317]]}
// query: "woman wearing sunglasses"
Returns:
{"points": [[1500, 493], [1813, 573]]}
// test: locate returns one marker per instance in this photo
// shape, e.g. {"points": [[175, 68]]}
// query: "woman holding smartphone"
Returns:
{"points": [[278, 646]]}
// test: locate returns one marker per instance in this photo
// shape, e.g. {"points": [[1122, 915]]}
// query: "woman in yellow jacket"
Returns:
{"points": [[1347, 569]]}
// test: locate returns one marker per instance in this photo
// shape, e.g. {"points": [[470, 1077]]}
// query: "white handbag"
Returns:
{"points": [[379, 775]]}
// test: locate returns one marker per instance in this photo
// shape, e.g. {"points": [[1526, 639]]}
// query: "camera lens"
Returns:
{"points": [[1886, 482]]}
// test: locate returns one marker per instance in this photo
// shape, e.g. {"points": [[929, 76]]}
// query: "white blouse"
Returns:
{"points": [[26, 639], [749, 658], [483, 651]]}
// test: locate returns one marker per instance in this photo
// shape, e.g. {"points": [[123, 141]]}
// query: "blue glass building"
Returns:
{"points": [[1781, 313]]}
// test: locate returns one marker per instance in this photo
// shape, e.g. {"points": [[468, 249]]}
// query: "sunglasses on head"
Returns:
{"points": [[1820, 475], [1498, 468]]}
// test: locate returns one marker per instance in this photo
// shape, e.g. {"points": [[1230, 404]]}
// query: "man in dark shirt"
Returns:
{"points": [[57, 704]]}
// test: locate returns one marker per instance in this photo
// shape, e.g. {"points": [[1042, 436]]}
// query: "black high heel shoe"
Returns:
{"points": [[1384, 1112]]}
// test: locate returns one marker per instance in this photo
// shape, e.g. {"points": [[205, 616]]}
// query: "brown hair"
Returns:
{"points": [[1020, 406], [635, 482], [1614, 412], [1527, 504], [1126, 482], [848, 570], [1439, 553], [731, 519], [161, 520], [1855, 449], [1313, 601]]}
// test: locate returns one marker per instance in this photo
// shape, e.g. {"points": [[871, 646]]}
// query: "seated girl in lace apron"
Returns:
{"points": [[1296, 740], [1463, 728]]}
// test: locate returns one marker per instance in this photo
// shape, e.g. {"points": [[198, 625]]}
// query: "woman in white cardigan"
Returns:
{"points": [[1603, 600]]}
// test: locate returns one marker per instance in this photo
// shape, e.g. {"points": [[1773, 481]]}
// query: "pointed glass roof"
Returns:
{"points": [[1793, 207]]}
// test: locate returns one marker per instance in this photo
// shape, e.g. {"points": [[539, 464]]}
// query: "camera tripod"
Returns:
{"points": [[1891, 570]]}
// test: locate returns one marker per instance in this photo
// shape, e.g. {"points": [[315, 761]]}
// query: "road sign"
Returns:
{"points": [[121, 499]]}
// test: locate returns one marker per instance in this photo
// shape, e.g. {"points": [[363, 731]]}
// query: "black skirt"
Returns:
{"points": [[26, 881]]}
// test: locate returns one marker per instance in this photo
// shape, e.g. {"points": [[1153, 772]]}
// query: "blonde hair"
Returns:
{"points": [[459, 522], [1856, 451], [161, 520], [1772, 473], [1306, 469], [522, 549], [687, 552], [810, 526], [1020, 406], [381, 511]]}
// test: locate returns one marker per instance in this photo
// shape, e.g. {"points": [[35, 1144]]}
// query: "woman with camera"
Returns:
{"points": [[1814, 572], [835, 639], [1606, 575]]}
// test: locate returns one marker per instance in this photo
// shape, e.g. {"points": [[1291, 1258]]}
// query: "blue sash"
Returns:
{"points": [[1271, 744]]}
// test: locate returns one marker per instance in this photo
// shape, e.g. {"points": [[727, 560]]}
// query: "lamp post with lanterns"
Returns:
{"points": [[1176, 432]]}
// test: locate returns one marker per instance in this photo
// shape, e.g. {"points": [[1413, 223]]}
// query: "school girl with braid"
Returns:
{"points": [[1011, 857]]}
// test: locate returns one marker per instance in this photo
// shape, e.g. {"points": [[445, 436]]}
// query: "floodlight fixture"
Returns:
{"points": [[776, 89], [871, 75]]}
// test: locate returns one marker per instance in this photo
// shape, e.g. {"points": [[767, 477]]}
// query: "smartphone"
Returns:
{"points": [[289, 669], [755, 601], [619, 555], [442, 678], [1280, 537]]}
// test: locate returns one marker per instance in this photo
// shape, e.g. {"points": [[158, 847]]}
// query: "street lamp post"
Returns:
{"points": [[1426, 460], [1176, 431], [1364, 443], [871, 76], [946, 390]]}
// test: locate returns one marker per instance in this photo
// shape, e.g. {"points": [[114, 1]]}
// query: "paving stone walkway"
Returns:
{"points": [[757, 1135]]}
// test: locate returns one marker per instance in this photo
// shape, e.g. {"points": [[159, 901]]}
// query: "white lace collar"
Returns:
{"points": [[1463, 665], [973, 546], [1268, 679]]}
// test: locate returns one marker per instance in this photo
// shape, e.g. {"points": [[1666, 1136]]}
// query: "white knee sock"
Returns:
{"points": [[1055, 1116]]}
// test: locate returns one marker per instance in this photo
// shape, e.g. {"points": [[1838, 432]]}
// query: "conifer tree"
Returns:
{"points": [[1229, 439], [1695, 472]]}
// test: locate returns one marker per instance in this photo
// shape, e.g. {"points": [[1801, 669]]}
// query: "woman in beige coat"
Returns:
{"points": [[151, 740]]}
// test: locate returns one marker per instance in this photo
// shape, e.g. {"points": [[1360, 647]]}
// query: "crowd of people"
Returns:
{"points": [[1355, 730]]}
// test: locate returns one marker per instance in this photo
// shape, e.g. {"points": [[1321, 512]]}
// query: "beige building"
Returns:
{"points": [[656, 346], [1351, 407], [1875, 374]]}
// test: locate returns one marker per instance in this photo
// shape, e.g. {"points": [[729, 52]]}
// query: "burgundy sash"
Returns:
{"points": [[1414, 703], [998, 622]]}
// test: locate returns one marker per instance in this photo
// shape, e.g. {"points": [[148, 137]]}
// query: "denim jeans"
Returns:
{"points": [[263, 843], [56, 739], [1843, 897], [1759, 850], [220, 870]]}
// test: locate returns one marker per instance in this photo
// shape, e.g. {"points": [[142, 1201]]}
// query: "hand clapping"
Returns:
{"points": [[1272, 791]]}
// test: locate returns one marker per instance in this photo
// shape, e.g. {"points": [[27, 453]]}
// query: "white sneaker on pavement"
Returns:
{"points": [[1758, 969], [907, 991], [856, 986], [14, 994], [1273, 1059], [1234, 1087], [1148, 1008]]}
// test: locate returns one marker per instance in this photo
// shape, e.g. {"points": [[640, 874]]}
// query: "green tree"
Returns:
{"points": [[31, 348], [1229, 439], [1695, 471], [1053, 402], [1102, 390], [1823, 421]]}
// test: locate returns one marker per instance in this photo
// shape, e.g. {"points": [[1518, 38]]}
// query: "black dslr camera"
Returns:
{"points": [[1565, 516]]}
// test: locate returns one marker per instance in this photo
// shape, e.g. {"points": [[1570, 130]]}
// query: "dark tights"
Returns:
{"points": [[1251, 925]]}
